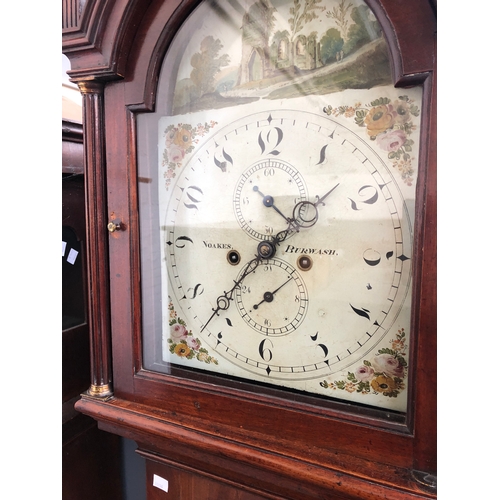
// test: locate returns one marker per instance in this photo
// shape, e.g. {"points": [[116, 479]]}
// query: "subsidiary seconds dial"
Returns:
{"points": [[273, 298], [265, 196]]}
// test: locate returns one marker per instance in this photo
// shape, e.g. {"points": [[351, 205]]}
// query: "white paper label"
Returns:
{"points": [[160, 483], [73, 254]]}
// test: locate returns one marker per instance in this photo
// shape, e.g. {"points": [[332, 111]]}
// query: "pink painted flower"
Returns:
{"points": [[178, 332], [169, 174], [388, 364], [175, 153], [364, 373], [193, 343], [391, 141]]}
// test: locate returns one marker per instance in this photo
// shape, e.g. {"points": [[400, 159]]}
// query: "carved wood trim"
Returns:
{"points": [[71, 13], [98, 47], [79, 22]]}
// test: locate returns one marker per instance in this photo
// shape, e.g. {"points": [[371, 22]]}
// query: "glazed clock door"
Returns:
{"points": [[283, 229], [261, 179]]}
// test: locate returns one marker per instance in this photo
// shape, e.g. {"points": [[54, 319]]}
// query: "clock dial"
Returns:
{"points": [[291, 265]]}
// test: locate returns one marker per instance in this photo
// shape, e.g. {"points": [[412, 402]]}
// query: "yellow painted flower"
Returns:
{"points": [[182, 350], [383, 384], [183, 138], [398, 345], [350, 387], [203, 356], [378, 120]]}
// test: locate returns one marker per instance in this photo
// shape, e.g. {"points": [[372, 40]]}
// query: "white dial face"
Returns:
{"points": [[287, 252]]}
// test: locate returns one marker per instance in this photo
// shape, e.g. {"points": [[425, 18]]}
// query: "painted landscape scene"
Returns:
{"points": [[244, 50]]}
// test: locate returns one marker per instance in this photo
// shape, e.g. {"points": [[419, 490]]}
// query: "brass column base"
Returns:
{"points": [[100, 391]]}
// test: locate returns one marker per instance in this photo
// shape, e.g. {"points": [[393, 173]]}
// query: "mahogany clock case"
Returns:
{"points": [[298, 446]]}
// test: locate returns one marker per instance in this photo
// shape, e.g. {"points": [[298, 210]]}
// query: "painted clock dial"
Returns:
{"points": [[338, 235]]}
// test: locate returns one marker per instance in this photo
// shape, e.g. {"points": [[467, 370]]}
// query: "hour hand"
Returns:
{"points": [[224, 300], [269, 202]]}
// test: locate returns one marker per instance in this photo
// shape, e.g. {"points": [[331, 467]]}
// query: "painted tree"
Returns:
{"points": [[362, 31], [206, 64], [331, 44], [303, 14], [340, 16], [258, 23]]}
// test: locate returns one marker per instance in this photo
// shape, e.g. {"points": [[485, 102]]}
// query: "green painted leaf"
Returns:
{"points": [[380, 101]]}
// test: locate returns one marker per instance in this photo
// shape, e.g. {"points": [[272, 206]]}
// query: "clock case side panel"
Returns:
{"points": [[411, 34], [181, 401], [423, 393]]}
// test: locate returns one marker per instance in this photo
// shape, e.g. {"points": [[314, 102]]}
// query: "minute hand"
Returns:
{"points": [[320, 200], [300, 221], [300, 218]]}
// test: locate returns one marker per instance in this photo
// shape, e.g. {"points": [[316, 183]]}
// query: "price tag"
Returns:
{"points": [[160, 483]]}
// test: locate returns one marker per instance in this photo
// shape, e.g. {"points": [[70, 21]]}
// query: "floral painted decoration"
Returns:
{"points": [[182, 341], [179, 141], [388, 123], [384, 374]]}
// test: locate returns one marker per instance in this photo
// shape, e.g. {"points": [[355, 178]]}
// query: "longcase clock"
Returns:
{"points": [[261, 205]]}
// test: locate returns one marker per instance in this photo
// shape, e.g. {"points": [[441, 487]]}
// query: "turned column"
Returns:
{"points": [[97, 238]]}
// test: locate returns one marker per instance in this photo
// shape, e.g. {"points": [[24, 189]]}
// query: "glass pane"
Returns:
{"points": [[277, 191]]}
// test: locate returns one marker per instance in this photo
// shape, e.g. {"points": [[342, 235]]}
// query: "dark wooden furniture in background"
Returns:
{"points": [[91, 458], [201, 435]]}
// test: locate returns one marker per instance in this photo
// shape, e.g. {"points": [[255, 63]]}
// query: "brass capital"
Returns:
{"points": [[91, 87]]}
